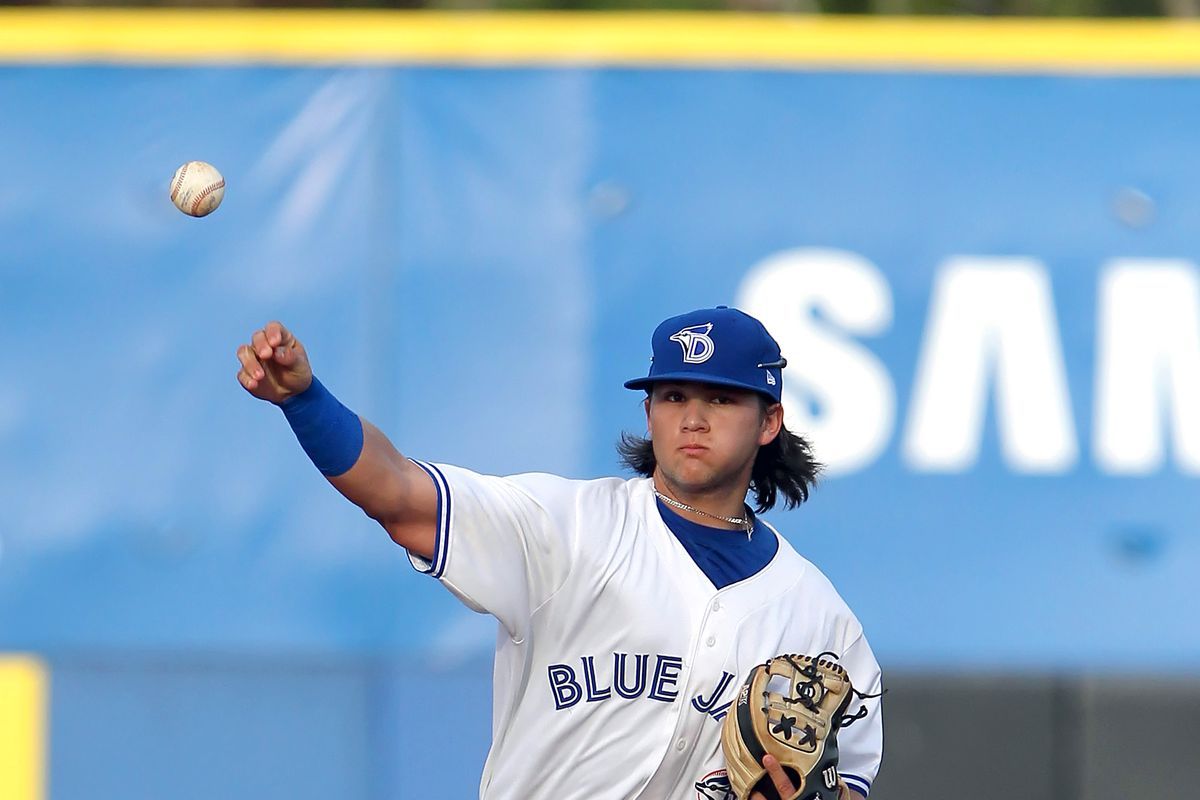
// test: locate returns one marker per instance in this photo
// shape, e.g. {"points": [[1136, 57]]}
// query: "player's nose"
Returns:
{"points": [[694, 418]]}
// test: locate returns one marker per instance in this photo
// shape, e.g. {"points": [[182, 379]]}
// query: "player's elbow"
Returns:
{"points": [[417, 538], [409, 513]]}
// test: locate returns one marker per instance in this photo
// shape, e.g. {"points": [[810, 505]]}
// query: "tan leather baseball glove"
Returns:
{"points": [[791, 707]]}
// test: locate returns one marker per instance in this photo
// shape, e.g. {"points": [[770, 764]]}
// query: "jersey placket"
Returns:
{"points": [[702, 670]]}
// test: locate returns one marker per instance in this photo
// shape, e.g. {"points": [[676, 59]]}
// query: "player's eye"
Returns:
{"points": [[673, 396]]}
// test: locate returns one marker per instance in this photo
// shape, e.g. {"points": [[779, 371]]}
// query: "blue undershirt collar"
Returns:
{"points": [[724, 556]]}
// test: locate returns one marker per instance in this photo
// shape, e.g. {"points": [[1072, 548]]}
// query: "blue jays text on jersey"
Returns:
{"points": [[569, 687]]}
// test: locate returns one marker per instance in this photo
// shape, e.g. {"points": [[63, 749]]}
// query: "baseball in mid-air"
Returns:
{"points": [[197, 188]]}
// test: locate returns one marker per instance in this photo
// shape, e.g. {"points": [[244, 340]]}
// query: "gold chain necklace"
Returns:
{"points": [[746, 522]]}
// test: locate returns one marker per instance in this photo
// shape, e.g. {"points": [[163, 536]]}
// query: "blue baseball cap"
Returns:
{"points": [[721, 345]]}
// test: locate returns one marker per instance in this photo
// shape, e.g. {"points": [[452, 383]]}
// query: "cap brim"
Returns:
{"points": [[692, 377]]}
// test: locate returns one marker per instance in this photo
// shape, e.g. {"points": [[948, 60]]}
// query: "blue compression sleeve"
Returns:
{"points": [[330, 433]]}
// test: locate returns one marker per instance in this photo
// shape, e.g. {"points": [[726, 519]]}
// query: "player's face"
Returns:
{"points": [[706, 436]]}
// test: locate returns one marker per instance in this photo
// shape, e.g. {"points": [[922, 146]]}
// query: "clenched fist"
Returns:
{"points": [[274, 364]]}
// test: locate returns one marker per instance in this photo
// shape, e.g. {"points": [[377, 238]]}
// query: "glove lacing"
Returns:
{"points": [[810, 692]]}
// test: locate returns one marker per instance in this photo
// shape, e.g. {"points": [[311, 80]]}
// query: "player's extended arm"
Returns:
{"points": [[784, 786], [352, 453]]}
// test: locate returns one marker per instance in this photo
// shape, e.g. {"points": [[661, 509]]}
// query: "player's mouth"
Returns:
{"points": [[693, 449]]}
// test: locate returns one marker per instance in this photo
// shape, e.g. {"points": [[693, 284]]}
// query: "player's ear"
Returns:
{"points": [[646, 406], [772, 423]]}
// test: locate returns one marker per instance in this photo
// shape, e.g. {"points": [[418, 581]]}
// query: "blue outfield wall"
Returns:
{"points": [[203, 726], [987, 287]]}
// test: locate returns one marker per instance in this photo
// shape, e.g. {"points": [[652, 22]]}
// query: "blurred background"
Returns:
{"points": [[975, 237]]}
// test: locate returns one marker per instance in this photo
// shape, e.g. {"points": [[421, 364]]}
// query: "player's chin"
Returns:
{"points": [[694, 475]]}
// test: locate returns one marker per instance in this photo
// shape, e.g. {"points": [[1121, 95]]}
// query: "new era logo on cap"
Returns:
{"points": [[722, 346]]}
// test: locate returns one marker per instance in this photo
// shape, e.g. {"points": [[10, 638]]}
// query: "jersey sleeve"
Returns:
{"points": [[860, 744], [503, 545]]}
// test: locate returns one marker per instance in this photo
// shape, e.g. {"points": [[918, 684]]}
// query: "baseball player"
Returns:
{"points": [[629, 610]]}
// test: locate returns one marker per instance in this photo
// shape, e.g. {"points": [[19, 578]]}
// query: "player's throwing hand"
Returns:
{"points": [[274, 364]]}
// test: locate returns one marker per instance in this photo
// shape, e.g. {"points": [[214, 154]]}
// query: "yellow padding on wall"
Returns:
{"points": [[23, 693], [317, 36]]}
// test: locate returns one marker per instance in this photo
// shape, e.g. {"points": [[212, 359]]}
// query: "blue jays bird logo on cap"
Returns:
{"points": [[696, 344]]}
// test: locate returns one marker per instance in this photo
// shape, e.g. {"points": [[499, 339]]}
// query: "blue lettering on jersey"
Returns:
{"points": [[710, 706], [594, 695], [666, 675], [569, 687], [564, 686], [639, 674]]}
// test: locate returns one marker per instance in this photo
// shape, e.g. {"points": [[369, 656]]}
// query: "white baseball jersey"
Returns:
{"points": [[616, 658]]}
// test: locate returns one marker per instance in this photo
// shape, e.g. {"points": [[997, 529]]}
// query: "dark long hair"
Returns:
{"points": [[783, 466]]}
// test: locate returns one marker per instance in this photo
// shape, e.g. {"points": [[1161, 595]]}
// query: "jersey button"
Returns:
{"points": [[716, 605], [710, 641], [681, 744]]}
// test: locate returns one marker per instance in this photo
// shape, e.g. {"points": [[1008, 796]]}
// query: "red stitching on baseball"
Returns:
{"points": [[178, 181], [212, 187]]}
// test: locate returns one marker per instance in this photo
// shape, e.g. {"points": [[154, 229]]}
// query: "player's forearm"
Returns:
{"points": [[365, 467], [390, 489]]}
